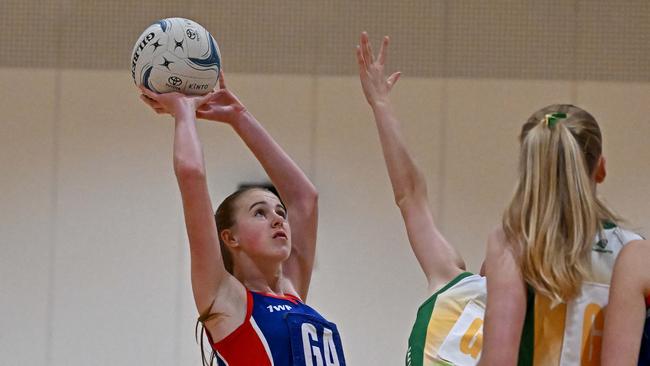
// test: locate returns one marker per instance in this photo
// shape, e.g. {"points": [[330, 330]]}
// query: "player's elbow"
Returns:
{"points": [[310, 196], [497, 358], [308, 202], [415, 192], [188, 169]]}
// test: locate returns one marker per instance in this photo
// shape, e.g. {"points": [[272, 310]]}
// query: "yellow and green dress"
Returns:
{"points": [[560, 334], [448, 329]]}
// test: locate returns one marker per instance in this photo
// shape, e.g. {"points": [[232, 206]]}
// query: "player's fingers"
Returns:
{"points": [[150, 102], [381, 59], [222, 80], [205, 98], [360, 61], [392, 80], [366, 49], [148, 93]]}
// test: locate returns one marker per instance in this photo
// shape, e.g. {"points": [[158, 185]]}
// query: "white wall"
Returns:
{"points": [[94, 266]]}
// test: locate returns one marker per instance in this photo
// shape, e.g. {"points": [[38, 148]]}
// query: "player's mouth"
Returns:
{"points": [[280, 234]]}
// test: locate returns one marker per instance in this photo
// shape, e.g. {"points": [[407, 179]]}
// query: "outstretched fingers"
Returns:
{"points": [[381, 59], [392, 80], [360, 61], [204, 99], [222, 79], [150, 94], [366, 50], [152, 103], [149, 98]]}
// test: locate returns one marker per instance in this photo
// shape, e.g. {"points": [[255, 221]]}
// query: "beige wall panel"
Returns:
{"points": [[367, 279], [27, 147], [484, 119], [117, 261], [623, 112], [120, 272]]}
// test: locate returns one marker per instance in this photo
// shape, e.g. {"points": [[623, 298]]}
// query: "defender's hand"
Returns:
{"points": [[376, 86]]}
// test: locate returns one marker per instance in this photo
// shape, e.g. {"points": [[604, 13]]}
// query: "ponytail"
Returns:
{"points": [[555, 213]]}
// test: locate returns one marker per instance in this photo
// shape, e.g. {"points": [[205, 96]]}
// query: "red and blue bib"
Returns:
{"points": [[280, 331]]}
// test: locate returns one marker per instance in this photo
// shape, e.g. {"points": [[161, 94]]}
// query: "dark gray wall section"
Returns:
{"points": [[551, 39]]}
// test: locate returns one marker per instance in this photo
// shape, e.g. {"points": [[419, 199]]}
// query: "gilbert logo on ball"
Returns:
{"points": [[176, 54]]}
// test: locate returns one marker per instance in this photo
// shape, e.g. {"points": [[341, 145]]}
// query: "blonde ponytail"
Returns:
{"points": [[555, 214]]}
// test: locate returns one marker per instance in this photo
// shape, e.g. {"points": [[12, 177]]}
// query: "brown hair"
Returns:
{"points": [[555, 213]]}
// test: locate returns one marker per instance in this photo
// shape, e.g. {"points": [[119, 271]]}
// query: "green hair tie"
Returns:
{"points": [[553, 118]]}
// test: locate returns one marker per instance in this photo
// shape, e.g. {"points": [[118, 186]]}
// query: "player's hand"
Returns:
{"points": [[222, 106], [376, 86], [172, 103]]}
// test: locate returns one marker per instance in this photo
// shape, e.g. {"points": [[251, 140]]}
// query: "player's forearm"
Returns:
{"points": [[406, 178], [188, 153], [291, 182]]}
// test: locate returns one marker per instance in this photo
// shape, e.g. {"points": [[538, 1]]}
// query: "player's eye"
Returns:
{"points": [[260, 213]]}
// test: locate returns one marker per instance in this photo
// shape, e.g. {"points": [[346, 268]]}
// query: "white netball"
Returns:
{"points": [[176, 55]]}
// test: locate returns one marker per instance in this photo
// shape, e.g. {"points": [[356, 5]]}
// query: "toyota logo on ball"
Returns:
{"points": [[175, 80]]}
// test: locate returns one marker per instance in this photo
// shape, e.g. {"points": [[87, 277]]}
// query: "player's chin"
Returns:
{"points": [[281, 250]]}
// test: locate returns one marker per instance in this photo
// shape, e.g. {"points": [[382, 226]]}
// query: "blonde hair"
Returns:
{"points": [[555, 214]]}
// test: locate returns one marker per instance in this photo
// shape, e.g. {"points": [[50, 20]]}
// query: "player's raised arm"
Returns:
{"points": [[438, 259], [208, 271], [295, 189]]}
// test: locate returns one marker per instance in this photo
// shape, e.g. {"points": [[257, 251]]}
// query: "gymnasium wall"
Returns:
{"points": [[94, 268]]}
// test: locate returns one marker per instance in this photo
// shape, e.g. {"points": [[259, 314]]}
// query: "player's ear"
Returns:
{"points": [[601, 172], [229, 238]]}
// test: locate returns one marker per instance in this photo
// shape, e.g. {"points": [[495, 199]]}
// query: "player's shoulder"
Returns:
{"points": [[634, 259], [498, 245], [496, 240], [637, 250]]}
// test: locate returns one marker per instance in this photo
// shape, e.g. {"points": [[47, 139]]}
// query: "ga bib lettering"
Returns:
{"points": [[314, 341]]}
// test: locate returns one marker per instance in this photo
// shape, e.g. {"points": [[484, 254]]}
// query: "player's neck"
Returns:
{"points": [[265, 278]]}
